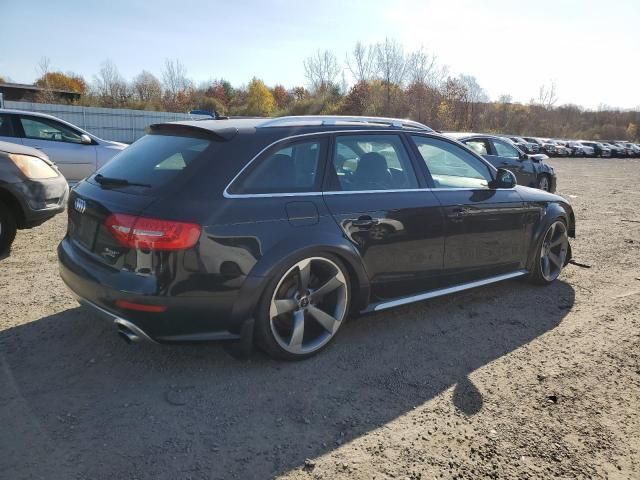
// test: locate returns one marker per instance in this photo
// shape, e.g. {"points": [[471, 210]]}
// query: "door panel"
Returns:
{"points": [[484, 226], [374, 195], [400, 236], [485, 233], [63, 146]]}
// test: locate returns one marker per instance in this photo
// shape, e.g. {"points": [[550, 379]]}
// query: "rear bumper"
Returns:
{"points": [[187, 318], [126, 328]]}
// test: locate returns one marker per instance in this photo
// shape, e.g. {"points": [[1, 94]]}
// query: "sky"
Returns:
{"points": [[589, 49]]}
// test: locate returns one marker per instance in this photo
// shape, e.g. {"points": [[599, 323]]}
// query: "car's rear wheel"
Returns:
{"points": [[544, 183], [303, 308], [552, 253], [8, 228]]}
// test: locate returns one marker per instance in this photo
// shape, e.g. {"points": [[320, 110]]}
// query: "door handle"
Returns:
{"points": [[459, 212], [364, 221]]}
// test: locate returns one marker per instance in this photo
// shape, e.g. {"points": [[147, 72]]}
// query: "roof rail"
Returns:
{"points": [[309, 120]]}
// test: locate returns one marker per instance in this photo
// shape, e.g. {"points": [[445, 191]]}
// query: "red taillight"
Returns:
{"points": [[152, 233], [140, 307]]}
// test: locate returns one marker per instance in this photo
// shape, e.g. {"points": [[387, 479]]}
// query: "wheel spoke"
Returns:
{"points": [[555, 259], [304, 272], [329, 286], [546, 267], [552, 231], [327, 321], [297, 334], [280, 306], [559, 241]]}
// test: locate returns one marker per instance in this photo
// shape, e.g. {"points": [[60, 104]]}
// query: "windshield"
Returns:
{"points": [[153, 161]]}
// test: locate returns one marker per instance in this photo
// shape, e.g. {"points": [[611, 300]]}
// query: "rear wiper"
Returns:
{"points": [[102, 180]]}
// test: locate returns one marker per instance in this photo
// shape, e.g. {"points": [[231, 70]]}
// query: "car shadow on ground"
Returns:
{"points": [[77, 401]]}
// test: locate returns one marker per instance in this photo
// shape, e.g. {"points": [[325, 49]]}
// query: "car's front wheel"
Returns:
{"points": [[303, 307], [7, 228], [544, 183], [551, 254]]}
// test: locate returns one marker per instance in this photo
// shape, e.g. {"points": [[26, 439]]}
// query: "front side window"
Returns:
{"points": [[451, 166], [289, 169], [45, 129], [371, 162], [503, 149], [6, 126]]}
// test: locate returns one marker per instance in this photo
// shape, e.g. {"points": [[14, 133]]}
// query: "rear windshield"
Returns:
{"points": [[154, 161]]}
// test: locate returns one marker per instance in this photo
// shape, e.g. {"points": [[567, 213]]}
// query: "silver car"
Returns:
{"points": [[76, 153]]}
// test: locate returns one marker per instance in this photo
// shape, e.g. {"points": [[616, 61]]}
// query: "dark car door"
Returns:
{"points": [[507, 156], [484, 227], [375, 196]]}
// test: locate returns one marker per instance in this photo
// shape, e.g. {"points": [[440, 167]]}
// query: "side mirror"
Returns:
{"points": [[85, 139], [504, 179]]}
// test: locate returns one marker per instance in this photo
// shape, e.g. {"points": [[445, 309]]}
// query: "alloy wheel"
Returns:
{"points": [[554, 251], [543, 184], [308, 305]]}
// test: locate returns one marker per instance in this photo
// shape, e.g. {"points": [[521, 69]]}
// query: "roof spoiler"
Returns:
{"points": [[226, 133]]}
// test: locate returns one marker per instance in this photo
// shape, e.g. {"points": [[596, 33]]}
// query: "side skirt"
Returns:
{"points": [[375, 307]]}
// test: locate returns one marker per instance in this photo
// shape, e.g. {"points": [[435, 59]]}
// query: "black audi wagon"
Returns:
{"points": [[274, 230]]}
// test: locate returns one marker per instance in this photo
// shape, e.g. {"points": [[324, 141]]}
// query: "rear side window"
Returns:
{"points": [[6, 126], [370, 162], [479, 146], [155, 160], [292, 168]]}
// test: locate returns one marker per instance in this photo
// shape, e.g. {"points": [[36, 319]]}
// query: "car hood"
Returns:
{"points": [[114, 145], [530, 194]]}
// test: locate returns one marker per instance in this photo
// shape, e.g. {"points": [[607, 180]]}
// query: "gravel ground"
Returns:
{"points": [[508, 381]]}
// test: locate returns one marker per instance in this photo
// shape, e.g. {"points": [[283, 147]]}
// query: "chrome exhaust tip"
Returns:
{"points": [[130, 333], [128, 337]]}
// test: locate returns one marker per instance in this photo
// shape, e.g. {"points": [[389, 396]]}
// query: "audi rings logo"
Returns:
{"points": [[80, 205]]}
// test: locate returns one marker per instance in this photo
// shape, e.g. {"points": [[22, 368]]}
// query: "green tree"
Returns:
{"points": [[260, 100]]}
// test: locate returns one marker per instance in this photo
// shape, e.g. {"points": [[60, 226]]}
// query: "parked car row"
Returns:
{"points": [[576, 148]]}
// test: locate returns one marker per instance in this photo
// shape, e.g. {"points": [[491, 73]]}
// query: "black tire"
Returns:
{"points": [[544, 182], [537, 275], [8, 227], [265, 337]]}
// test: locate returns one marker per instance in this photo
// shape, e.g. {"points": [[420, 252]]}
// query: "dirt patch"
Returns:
{"points": [[509, 381]]}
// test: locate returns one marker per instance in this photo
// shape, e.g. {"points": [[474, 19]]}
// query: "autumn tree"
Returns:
{"points": [[358, 99], [260, 101], [147, 88], [177, 86], [221, 91], [62, 81], [362, 62], [321, 70], [281, 97], [391, 68], [110, 87]]}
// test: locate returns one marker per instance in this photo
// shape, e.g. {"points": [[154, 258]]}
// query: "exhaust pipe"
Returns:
{"points": [[130, 333], [128, 337]]}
